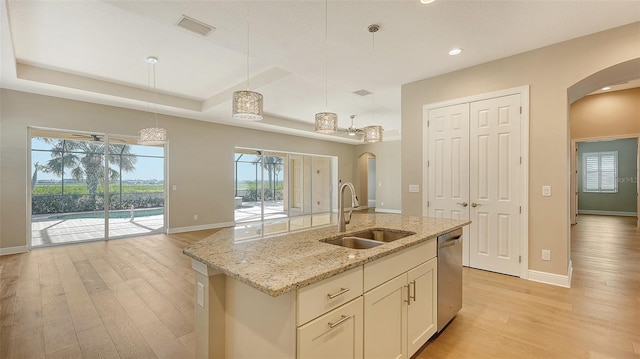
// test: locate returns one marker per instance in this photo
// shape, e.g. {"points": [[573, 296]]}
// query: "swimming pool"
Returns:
{"points": [[141, 212]]}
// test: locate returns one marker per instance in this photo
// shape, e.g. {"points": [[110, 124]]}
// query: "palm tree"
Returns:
{"points": [[86, 161], [273, 166]]}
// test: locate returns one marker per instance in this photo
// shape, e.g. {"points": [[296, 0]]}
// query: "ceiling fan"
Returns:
{"points": [[353, 130], [97, 138]]}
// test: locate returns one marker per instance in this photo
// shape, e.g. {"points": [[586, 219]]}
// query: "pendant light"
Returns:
{"points": [[247, 105], [373, 133], [153, 135], [353, 130], [326, 122]]}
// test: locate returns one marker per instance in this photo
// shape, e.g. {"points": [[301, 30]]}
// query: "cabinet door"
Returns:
{"points": [[337, 334], [385, 313], [422, 308]]}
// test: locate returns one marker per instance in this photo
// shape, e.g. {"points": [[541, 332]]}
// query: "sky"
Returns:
{"points": [[149, 165]]}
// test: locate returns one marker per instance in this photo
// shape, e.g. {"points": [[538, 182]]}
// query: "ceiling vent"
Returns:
{"points": [[196, 26], [362, 92]]}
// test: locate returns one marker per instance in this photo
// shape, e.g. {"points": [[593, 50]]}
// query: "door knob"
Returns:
{"points": [[463, 204], [473, 204]]}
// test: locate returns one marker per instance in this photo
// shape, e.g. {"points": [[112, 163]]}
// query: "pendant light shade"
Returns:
{"points": [[373, 134], [153, 135], [247, 106], [326, 122]]}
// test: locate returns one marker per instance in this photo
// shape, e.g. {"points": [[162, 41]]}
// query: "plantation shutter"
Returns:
{"points": [[600, 172]]}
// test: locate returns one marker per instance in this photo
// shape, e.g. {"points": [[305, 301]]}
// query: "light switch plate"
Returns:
{"points": [[414, 188], [546, 191]]}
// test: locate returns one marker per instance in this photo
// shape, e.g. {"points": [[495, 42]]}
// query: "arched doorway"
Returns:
{"points": [[627, 72], [367, 180]]}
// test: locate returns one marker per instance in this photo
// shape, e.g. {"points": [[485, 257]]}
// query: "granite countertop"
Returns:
{"points": [[277, 258]]}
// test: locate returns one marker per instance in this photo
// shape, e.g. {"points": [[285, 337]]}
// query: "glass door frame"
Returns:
{"points": [[105, 183]]}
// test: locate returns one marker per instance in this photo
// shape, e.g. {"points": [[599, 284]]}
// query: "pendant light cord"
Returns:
{"points": [[248, 30], [155, 94], [326, 56]]}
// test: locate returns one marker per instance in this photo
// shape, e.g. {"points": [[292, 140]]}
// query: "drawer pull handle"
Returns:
{"points": [[414, 290], [341, 292], [342, 320], [408, 294]]}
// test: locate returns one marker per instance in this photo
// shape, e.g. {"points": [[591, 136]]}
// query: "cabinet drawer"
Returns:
{"points": [[337, 334], [385, 268], [321, 297]]}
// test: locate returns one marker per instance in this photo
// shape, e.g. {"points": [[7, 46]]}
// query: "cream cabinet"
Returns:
{"points": [[385, 312], [337, 334], [400, 314], [422, 307]]}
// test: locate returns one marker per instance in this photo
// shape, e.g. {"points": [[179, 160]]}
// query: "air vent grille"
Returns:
{"points": [[362, 92], [196, 26]]}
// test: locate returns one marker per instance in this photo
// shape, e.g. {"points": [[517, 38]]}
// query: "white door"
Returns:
{"points": [[449, 162], [494, 184], [448, 166], [474, 154]]}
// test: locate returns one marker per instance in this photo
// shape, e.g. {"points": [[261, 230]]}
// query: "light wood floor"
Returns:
{"points": [[133, 298], [598, 317]]}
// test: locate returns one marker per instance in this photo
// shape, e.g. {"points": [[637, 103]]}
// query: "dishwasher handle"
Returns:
{"points": [[450, 239]]}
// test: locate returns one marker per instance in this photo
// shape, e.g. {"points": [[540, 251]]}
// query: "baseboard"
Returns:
{"points": [[13, 250], [552, 278], [384, 210], [608, 213], [200, 227]]}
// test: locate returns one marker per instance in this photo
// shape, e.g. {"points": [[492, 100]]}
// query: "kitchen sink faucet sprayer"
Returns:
{"points": [[342, 219]]}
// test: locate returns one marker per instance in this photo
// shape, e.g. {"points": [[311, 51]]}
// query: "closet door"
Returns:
{"points": [[494, 197], [448, 166], [449, 162]]}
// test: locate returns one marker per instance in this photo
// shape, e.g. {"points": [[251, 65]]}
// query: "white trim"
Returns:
{"points": [[200, 227], [551, 278], [523, 91], [608, 213], [13, 250], [384, 210]]}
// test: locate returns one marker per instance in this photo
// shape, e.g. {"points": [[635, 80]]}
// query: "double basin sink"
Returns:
{"points": [[369, 238]]}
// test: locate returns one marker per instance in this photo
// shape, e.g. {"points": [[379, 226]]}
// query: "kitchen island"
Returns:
{"points": [[252, 280]]}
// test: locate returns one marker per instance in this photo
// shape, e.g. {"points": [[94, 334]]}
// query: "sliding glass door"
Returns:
{"points": [[88, 187], [273, 184]]}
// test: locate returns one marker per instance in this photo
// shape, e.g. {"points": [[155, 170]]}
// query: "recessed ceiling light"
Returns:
{"points": [[426, 1], [455, 51], [607, 88]]}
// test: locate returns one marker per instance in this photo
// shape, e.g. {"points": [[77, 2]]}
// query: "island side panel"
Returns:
{"points": [[209, 317], [259, 325]]}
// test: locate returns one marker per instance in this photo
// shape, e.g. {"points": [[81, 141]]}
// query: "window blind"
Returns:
{"points": [[600, 172]]}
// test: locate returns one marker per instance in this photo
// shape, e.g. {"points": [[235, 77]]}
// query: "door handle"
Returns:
{"points": [[463, 204], [474, 205]]}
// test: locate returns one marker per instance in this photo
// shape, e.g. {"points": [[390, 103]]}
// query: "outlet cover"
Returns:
{"points": [[414, 188], [200, 295], [546, 255], [546, 191]]}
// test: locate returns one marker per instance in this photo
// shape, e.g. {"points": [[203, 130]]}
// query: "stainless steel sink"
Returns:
{"points": [[382, 234], [353, 242], [369, 238]]}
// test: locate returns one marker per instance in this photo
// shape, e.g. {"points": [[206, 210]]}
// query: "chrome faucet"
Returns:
{"points": [[342, 219]]}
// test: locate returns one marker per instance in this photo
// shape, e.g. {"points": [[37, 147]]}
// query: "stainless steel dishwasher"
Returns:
{"points": [[449, 276]]}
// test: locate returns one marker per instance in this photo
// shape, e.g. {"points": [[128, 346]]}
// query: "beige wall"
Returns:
{"points": [[608, 114], [388, 169], [549, 71], [200, 156]]}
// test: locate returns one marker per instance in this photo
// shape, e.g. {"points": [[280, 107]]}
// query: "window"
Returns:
{"points": [[600, 172]]}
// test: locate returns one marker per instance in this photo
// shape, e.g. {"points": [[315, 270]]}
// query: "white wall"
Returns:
{"points": [[549, 71], [199, 155]]}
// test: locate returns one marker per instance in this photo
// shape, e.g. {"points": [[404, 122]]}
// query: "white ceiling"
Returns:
{"points": [[95, 51]]}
